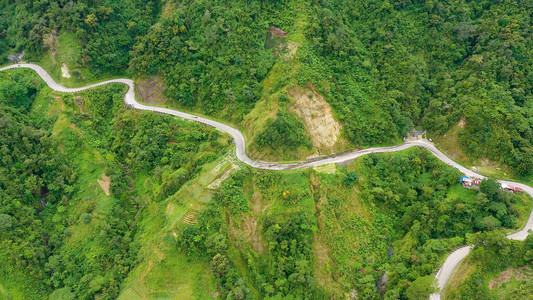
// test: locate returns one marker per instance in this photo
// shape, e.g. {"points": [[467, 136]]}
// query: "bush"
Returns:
{"points": [[86, 218], [283, 98], [286, 132], [350, 178], [6, 221], [421, 288], [490, 223]]}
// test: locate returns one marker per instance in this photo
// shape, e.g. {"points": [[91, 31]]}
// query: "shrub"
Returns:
{"points": [[286, 132], [86, 218]]}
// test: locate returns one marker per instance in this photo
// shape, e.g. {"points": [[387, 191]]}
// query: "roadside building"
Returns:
{"points": [[466, 182], [510, 188], [469, 183]]}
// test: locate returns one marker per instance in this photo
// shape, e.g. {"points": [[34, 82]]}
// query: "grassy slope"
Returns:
{"points": [[463, 271], [283, 75], [90, 164], [15, 284], [67, 50], [164, 272], [450, 144], [505, 289], [347, 237], [49, 106], [509, 289], [160, 272], [337, 241]]}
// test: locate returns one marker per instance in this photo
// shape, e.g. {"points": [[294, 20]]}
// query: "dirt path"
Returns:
{"points": [[451, 263]]}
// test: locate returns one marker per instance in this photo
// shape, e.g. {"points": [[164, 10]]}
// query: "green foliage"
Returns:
{"points": [[399, 189], [62, 294], [492, 254], [421, 288], [30, 170], [107, 29], [407, 195], [383, 66], [60, 232], [231, 195], [212, 53], [403, 216], [491, 188], [392, 65], [287, 270], [18, 90], [86, 218], [350, 177], [490, 223], [286, 132], [6, 222]]}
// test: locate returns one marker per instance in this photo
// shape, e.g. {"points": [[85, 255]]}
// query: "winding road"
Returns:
{"points": [[450, 264]]}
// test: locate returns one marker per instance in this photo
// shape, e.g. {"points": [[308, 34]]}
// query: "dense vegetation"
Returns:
{"points": [[30, 167], [492, 254], [377, 228], [212, 53], [59, 232], [384, 66], [107, 29], [430, 64], [284, 133], [409, 213], [287, 270]]}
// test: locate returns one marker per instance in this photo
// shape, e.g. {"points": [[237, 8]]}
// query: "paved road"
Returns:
{"points": [[453, 259]]}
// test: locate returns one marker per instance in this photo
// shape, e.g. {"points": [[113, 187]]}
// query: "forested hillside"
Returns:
{"points": [[95, 197], [73, 185], [497, 268], [386, 218], [98, 201], [106, 30], [384, 66], [439, 62]]}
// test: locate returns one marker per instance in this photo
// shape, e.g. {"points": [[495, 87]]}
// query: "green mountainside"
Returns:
{"points": [[384, 67], [101, 202], [498, 269]]}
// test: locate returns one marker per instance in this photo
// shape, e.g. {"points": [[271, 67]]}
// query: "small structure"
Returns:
{"points": [[469, 183], [509, 188], [466, 182]]}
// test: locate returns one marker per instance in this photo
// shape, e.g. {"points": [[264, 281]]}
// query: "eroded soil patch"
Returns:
{"points": [[105, 183], [151, 90], [522, 273], [317, 115], [64, 71]]}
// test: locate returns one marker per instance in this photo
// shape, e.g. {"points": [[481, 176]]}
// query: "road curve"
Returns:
{"points": [[453, 260]]}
